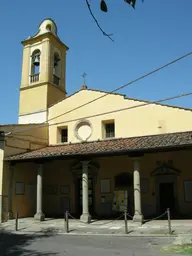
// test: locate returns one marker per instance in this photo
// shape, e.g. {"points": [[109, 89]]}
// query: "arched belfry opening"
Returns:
{"points": [[35, 66], [56, 69], [49, 27]]}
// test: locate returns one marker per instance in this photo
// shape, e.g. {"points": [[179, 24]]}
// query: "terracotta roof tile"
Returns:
{"points": [[122, 145]]}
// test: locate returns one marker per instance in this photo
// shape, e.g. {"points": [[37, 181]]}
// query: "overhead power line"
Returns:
{"points": [[113, 91], [123, 86], [119, 110]]}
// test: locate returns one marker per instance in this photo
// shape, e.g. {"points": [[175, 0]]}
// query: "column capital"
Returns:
{"points": [[11, 164], [85, 162], [39, 162], [136, 155], [137, 158], [136, 163], [2, 136]]}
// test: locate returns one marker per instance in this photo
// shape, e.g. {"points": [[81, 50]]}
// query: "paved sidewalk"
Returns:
{"points": [[96, 227]]}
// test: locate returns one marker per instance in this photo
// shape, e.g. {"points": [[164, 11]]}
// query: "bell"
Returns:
{"points": [[36, 61]]}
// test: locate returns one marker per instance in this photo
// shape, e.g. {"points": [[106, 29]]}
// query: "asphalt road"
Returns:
{"points": [[56, 245]]}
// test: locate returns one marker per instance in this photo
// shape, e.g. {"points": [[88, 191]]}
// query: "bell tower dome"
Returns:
{"points": [[43, 73]]}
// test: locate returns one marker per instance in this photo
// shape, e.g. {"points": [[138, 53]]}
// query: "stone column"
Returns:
{"points": [[39, 213], [138, 217], [10, 194], [85, 217]]}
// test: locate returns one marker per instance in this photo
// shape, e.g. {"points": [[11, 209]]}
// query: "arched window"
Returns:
{"points": [[35, 66], [56, 69]]}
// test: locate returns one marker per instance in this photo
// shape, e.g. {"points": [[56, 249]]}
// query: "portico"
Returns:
{"points": [[102, 184], [83, 170]]}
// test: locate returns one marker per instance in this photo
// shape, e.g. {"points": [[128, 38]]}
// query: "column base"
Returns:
{"points": [[10, 215], [39, 216], [138, 218], [85, 217]]}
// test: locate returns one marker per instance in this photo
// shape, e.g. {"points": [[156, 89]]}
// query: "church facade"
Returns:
{"points": [[92, 153]]}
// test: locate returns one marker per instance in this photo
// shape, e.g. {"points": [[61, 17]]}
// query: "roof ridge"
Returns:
{"points": [[125, 97], [160, 104], [88, 89]]}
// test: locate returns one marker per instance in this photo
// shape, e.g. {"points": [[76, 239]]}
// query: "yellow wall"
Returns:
{"points": [[25, 66], [54, 94], [62, 176], [25, 204], [17, 143], [134, 122], [33, 99], [24, 137], [38, 98], [59, 173]]}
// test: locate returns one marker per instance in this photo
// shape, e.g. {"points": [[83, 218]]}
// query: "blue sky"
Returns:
{"points": [[146, 38]]}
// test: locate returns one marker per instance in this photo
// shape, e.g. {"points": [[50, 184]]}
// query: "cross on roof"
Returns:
{"points": [[84, 76]]}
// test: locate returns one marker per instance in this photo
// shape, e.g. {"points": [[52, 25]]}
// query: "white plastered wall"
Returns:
{"points": [[34, 118]]}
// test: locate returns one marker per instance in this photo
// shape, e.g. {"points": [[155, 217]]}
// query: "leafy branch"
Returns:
{"points": [[104, 8], [97, 23]]}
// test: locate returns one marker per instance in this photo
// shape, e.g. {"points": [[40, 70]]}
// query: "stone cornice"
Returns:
{"points": [[40, 84], [48, 35]]}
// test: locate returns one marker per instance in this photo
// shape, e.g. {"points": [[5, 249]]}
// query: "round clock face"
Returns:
{"points": [[83, 130]]}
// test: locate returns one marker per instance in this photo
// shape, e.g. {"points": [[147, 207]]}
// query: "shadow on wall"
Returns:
{"points": [[16, 244]]}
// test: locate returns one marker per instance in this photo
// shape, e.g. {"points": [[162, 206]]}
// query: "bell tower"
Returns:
{"points": [[43, 73]]}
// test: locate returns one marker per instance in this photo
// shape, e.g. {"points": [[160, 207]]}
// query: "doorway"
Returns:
{"points": [[166, 196]]}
